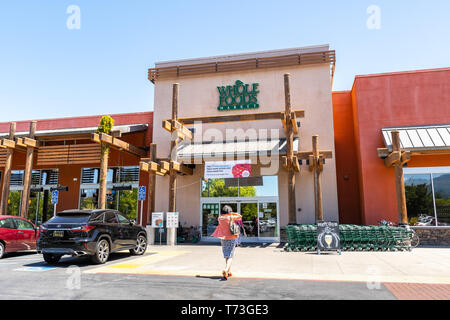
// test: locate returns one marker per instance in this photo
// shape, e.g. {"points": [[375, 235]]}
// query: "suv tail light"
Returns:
{"points": [[82, 229]]}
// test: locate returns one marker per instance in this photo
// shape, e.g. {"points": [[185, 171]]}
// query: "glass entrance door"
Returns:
{"points": [[249, 213], [268, 222], [259, 217]]}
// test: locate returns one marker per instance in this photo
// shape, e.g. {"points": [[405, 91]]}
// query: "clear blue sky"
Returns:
{"points": [[47, 70]]}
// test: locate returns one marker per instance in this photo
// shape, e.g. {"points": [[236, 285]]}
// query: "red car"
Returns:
{"points": [[17, 234]]}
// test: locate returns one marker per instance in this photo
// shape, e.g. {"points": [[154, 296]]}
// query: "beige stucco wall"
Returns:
{"points": [[310, 91]]}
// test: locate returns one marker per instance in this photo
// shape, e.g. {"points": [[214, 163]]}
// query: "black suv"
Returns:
{"points": [[96, 233]]}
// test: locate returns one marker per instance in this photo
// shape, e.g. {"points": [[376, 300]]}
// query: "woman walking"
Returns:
{"points": [[228, 239]]}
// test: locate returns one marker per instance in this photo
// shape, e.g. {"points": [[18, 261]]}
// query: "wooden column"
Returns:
{"points": [[317, 179], [399, 182], [7, 172], [151, 185], [289, 152], [173, 154], [28, 174], [103, 175]]}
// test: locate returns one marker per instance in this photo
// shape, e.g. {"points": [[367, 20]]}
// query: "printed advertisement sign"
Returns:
{"points": [[227, 169], [172, 220], [157, 219]]}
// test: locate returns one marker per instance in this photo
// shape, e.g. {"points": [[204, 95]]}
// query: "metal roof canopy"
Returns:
{"points": [[128, 128], [224, 149], [417, 138]]}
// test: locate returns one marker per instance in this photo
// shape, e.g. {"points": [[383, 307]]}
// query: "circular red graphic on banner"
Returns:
{"points": [[241, 170]]}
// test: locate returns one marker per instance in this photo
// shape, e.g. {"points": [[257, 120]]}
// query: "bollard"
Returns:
{"points": [[150, 234], [171, 236]]}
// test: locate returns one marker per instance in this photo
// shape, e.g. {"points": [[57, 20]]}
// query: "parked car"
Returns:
{"points": [[94, 233], [17, 234]]}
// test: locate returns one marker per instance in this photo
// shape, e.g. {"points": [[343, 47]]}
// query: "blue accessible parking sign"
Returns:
{"points": [[141, 193], [55, 195]]}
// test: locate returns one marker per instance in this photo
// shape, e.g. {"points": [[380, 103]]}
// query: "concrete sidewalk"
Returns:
{"points": [[422, 265]]}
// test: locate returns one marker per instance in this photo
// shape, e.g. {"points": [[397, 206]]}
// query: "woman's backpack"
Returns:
{"points": [[235, 230]]}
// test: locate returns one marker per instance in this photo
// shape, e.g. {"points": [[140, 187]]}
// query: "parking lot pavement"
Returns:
{"points": [[26, 276], [259, 272]]}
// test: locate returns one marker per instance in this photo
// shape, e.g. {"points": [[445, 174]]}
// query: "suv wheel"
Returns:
{"points": [[2, 250], [141, 246], [102, 252], [51, 258]]}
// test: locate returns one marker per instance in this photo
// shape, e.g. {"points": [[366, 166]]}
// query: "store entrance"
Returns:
{"points": [[259, 217]]}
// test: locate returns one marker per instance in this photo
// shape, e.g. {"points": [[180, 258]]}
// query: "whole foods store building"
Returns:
{"points": [[250, 147], [277, 148]]}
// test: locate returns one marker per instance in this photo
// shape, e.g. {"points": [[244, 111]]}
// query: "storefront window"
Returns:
{"points": [[210, 214], [128, 202], [89, 199], [441, 183], [419, 198], [14, 203], [217, 188], [265, 186], [428, 196]]}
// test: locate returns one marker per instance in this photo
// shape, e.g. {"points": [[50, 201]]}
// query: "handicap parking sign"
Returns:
{"points": [[55, 194], [141, 193]]}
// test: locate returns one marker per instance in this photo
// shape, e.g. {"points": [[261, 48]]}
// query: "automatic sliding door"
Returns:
{"points": [[268, 226], [249, 213]]}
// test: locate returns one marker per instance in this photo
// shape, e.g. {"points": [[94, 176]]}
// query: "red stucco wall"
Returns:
{"points": [[346, 159], [394, 99]]}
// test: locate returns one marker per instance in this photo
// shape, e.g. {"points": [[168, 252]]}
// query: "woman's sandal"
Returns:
{"points": [[225, 274], [230, 274]]}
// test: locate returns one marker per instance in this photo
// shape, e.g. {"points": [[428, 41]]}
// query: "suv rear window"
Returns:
{"points": [[73, 218]]}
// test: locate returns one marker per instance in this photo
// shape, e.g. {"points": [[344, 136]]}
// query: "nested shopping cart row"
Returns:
{"points": [[303, 237]]}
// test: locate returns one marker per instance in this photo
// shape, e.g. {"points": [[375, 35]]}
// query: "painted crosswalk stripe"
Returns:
{"points": [[35, 269]]}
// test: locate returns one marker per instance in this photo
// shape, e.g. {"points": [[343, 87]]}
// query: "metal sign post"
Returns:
{"points": [[141, 197], [55, 194]]}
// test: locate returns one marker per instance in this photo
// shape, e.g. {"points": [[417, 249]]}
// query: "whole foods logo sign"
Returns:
{"points": [[238, 96]]}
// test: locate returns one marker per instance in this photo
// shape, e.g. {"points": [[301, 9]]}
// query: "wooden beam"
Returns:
{"points": [[6, 177], [294, 122], [296, 164], [7, 143], [167, 125], [292, 207], [312, 162], [304, 155], [151, 184], [240, 117], [393, 158], [284, 162], [317, 179], [406, 156], [185, 131], [181, 168], [30, 142], [118, 144], [28, 173], [165, 165], [173, 146]]}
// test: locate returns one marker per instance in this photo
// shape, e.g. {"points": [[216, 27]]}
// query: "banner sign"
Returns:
{"points": [[227, 169], [172, 220], [157, 219], [328, 236]]}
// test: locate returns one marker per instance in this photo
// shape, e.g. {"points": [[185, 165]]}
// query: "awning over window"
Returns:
{"points": [[237, 149], [433, 137], [128, 128]]}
